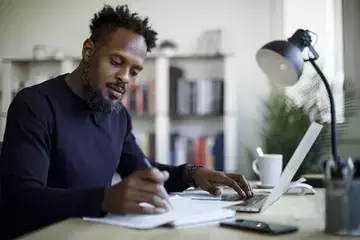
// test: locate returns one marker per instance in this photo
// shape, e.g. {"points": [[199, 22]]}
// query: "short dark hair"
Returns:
{"points": [[108, 19]]}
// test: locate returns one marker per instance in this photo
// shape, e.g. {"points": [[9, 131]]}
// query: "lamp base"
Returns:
{"points": [[342, 213]]}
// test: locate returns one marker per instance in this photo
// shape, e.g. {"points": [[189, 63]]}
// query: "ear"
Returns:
{"points": [[88, 49]]}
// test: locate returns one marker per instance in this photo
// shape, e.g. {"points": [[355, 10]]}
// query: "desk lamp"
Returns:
{"points": [[282, 61]]}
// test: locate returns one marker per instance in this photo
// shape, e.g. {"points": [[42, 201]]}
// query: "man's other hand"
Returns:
{"points": [[209, 180]]}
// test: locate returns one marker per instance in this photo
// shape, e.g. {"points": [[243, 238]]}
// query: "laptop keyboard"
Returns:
{"points": [[249, 202], [232, 197], [253, 200]]}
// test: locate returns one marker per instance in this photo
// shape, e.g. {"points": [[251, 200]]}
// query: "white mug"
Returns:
{"points": [[268, 168]]}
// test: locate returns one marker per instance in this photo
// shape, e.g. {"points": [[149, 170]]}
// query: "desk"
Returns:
{"points": [[306, 212]]}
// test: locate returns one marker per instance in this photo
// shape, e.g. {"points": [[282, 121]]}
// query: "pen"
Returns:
{"points": [[167, 198]]}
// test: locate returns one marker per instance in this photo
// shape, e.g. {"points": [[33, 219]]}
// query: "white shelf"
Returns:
{"points": [[195, 65]]}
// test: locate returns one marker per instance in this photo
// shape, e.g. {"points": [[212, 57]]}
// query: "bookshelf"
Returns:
{"points": [[24, 72], [164, 115]]}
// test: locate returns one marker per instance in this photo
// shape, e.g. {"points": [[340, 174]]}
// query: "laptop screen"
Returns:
{"points": [[293, 165]]}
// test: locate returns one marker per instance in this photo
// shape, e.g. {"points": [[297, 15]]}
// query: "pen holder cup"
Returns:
{"points": [[342, 211]]}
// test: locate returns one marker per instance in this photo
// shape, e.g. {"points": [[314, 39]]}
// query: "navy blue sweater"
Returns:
{"points": [[58, 156]]}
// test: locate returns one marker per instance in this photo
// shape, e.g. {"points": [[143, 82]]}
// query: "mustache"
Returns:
{"points": [[119, 87]]}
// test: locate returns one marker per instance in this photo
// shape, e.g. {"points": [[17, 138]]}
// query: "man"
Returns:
{"points": [[66, 137]]}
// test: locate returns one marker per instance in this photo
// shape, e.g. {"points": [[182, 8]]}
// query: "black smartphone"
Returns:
{"points": [[259, 226]]}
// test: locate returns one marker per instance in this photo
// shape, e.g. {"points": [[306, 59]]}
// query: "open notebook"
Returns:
{"points": [[187, 212]]}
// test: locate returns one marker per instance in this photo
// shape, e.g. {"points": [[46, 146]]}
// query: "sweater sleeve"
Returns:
{"points": [[27, 202], [132, 159]]}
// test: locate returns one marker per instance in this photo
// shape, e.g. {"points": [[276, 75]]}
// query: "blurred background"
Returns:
{"points": [[202, 97]]}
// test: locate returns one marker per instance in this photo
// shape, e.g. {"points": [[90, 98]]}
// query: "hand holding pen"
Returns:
{"points": [[162, 189], [143, 186]]}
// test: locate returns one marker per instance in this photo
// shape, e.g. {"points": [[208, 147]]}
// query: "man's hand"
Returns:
{"points": [[209, 180], [145, 186]]}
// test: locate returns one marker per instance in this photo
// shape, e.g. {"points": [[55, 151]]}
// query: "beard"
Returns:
{"points": [[97, 102], [95, 98]]}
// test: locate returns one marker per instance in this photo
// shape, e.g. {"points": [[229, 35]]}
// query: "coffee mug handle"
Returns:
{"points": [[255, 167]]}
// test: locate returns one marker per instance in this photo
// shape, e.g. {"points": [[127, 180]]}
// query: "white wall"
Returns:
{"points": [[248, 24]]}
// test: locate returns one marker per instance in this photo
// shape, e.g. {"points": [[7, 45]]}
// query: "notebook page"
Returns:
{"points": [[200, 195], [184, 208], [204, 218], [135, 221]]}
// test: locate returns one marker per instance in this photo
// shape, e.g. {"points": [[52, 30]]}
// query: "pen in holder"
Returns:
{"points": [[342, 214]]}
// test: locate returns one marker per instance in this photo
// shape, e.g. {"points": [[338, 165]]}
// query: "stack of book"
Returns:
{"points": [[207, 151]]}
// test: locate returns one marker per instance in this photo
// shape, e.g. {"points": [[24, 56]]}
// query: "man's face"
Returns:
{"points": [[112, 67]]}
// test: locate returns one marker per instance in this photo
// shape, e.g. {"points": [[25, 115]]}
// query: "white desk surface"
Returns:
{"points": [[306, 212]]}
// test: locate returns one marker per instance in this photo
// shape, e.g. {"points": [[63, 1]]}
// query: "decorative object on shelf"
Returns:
{"points": [[168, 47], [282, 62], [57, 54], [210, 42], [40, 52]]}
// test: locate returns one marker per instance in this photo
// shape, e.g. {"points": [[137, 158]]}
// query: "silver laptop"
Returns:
{"points": [[259, 202]]}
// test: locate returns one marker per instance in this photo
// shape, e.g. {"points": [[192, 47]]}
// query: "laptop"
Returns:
{"points": [[260, 202]]}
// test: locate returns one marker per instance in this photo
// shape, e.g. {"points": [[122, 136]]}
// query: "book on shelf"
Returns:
{"points": [[140, 99], [199, 97], [207, 151]]}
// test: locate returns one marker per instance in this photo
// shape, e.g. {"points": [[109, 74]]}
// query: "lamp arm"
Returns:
{"points": [[335, 155]]}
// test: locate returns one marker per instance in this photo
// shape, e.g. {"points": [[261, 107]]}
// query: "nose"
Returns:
{"points": [[123, 75]]}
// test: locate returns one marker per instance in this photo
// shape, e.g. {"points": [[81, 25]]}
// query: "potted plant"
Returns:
{"points": [[287, 119]]}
